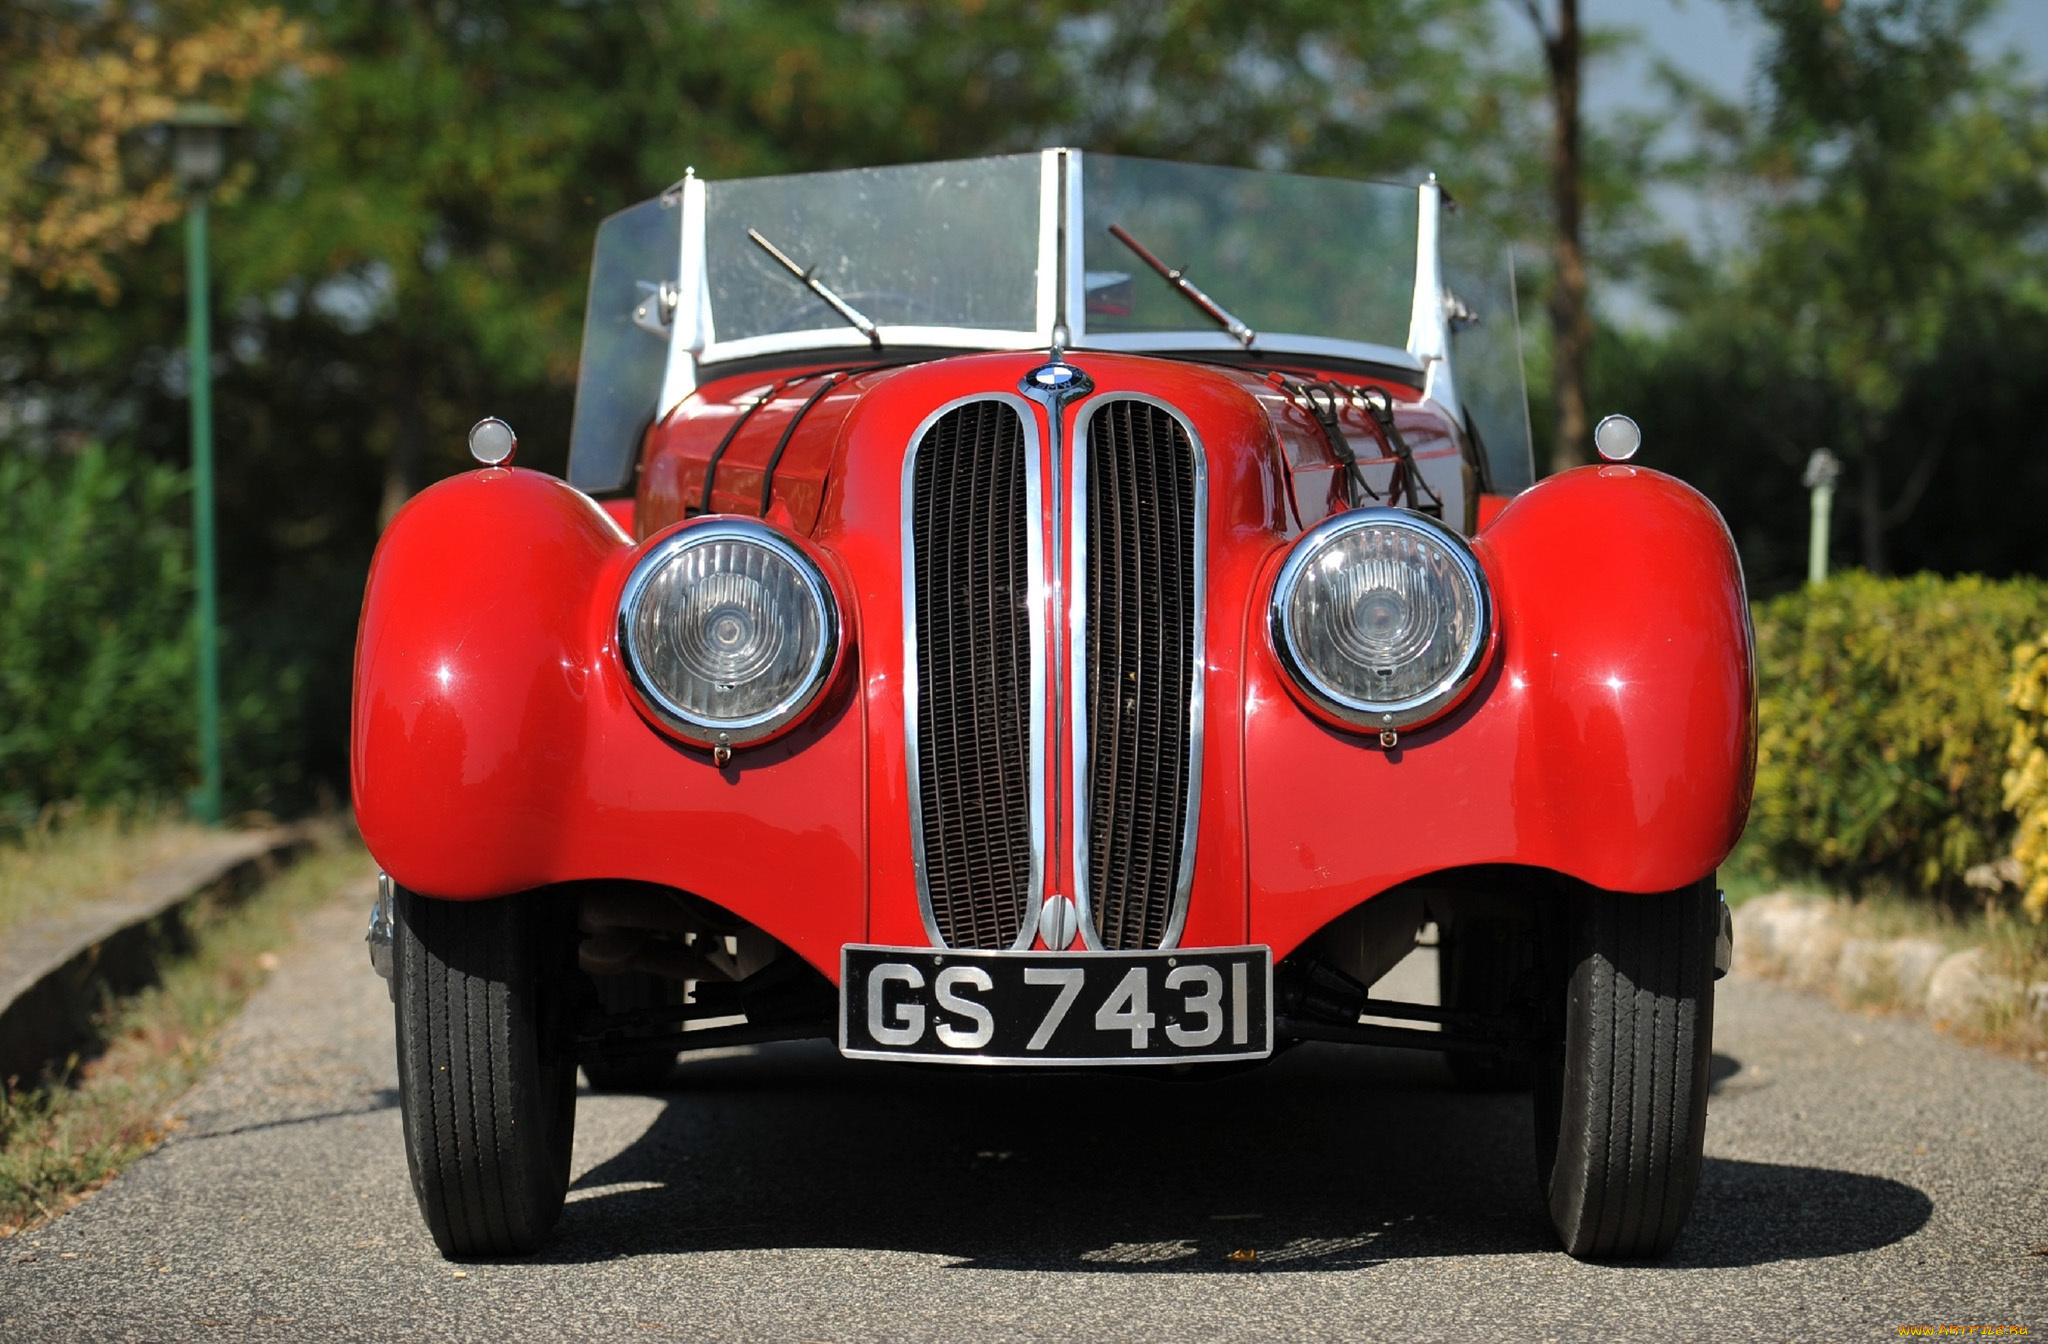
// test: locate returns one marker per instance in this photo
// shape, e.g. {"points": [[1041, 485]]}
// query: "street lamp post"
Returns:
{"points": [[199, 136], [1822, 470]]}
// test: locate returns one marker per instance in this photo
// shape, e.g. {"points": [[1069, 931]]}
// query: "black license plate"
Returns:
{"points": [[1066, 1008]]}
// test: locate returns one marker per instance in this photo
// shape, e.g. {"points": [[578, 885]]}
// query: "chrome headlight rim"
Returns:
{"points": [[785, 713], [1412, 711]]}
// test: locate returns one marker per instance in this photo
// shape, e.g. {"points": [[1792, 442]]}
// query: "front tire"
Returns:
{"points": [[1621, 1095], [486, 1066]]}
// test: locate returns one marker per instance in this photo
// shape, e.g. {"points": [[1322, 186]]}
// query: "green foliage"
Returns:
{"points": [[1893, 240], [96, 654], [2026, 782], [402, 246], [1881, 725]]}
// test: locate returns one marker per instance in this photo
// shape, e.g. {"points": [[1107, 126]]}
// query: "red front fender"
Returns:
{"points": [[472, 665], [1612, 740], [495, 747]]}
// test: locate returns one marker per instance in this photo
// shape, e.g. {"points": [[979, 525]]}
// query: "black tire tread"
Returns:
{"points": [[1631, 1123], [473, 1077]]}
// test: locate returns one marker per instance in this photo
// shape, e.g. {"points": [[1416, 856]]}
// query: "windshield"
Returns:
{"points": [[1303, 256], [619, 379], [1025, 251], [1486, 346], [948, 245]]}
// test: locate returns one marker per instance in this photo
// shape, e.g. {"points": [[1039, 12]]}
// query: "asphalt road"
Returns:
{"points": [[1862, 1176]]}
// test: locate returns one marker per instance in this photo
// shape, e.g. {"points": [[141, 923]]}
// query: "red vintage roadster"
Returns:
{"points": [[1052, 610]]}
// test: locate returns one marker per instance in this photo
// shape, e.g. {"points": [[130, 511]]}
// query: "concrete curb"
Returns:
{"points": [[1805, 940], [56, 973]]}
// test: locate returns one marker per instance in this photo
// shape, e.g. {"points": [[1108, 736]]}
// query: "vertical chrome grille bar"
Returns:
{"points": [[1139, 521], [974, 659]]}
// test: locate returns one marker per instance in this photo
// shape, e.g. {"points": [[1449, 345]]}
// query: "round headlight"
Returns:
{"points": [[1381, 617], [728, 631]]}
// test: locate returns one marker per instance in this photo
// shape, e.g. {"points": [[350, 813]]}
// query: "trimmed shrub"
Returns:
{"points": [[2026, 783], [1882, 726], [96, 652]]}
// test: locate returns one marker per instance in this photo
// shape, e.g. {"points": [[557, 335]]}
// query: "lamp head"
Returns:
{"points": [[199, 144]]}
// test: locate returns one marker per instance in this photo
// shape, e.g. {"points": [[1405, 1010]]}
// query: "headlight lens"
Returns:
{"points": [[1381, 616], [728, 631]]}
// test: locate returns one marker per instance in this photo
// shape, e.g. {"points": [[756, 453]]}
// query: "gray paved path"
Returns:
{"points": [[1862, 1175]]}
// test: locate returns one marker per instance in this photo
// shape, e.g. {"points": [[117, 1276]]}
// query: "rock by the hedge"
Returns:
{"points": [[1811, 959], [1862, 968], [1961, 988], [2037, 1001], [1787, 934], [1913, 962], [1885, 966]]}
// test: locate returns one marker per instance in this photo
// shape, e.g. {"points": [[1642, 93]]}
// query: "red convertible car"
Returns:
{"points": [[1052, 610]]}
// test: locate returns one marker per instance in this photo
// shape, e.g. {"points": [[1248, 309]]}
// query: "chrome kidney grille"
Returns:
{"points": [[977, 671], [1141, 502], [972, 557]]}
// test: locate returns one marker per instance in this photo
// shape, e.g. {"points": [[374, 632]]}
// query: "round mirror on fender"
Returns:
{"points": [[492, 442], [1617, 437]]}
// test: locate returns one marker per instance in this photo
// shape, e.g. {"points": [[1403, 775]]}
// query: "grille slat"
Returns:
{"points": [[971, 568], [1142, 594]]}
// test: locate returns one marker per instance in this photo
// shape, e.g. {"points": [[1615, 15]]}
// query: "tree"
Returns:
{"points": [[407, 248], [1571, 322], [1894, 193], [81, 82]]}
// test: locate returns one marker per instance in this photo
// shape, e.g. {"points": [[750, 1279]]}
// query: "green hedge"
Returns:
{"points": [[1883, 727], [97, 665], [96, 654]]}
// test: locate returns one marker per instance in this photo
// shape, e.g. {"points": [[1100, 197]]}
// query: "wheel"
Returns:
{"points": [[641, 1071], [486, 1066], [1621, 1095], [1480, 964]]}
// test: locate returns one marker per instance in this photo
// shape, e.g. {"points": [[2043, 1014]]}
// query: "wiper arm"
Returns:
{"points": [[809, 278], [1215, 311]]}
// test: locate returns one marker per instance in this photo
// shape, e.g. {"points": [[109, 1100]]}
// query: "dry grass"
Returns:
{"points": [[2018, 947], [63, 1139], [71, 856]]}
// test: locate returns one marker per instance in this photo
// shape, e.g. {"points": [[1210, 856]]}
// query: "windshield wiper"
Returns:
{"points": [[1215, 311], [809, 278]]}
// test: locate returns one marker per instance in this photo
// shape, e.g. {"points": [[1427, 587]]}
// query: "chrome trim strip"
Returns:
{"points": [[971, 338], [1169, 342], [1050, 166], [1429, 330], [1077, 686], [690, 327], [893, 337], [1415, 709], [1034, 506], [382, 931], [1055, 398], [754, 727]]}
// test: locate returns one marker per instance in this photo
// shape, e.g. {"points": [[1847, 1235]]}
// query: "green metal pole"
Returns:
{"points": [[1822, 471], [1817, 536], [206, 802]]}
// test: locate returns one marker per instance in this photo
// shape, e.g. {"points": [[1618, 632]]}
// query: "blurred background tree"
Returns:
{"points": [[1886, 297], [402, 247]]}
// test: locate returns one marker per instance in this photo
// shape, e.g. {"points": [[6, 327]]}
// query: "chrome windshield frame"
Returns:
{"points": [[1060, 299], [1060, 304]]}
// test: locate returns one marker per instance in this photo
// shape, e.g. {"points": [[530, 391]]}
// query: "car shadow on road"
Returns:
{"points": [[1331, 1158]]}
